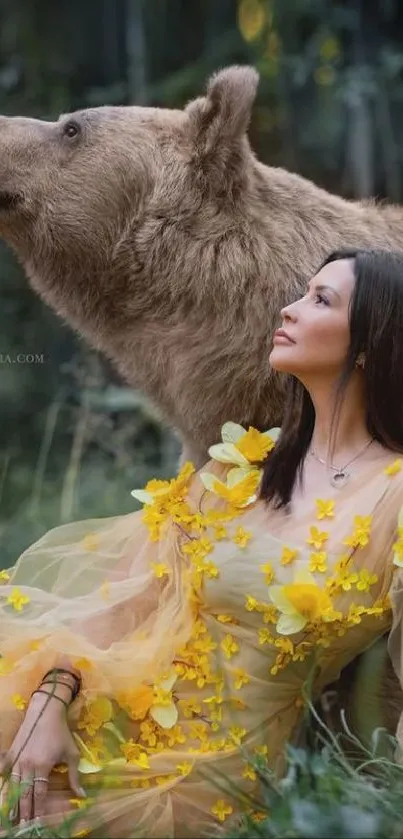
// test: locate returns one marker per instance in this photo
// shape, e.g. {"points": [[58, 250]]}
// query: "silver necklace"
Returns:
{"points": [[341, 476]]}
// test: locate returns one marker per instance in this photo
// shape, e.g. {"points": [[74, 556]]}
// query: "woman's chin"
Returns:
{"points": [[280, 360]]}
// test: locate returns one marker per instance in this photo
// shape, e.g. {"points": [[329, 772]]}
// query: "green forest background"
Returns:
{"points": [[73, 439]]}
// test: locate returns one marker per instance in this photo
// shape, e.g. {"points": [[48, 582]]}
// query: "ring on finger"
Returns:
{"points": [[44, 780]]}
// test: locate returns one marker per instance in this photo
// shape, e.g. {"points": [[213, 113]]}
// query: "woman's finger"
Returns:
{"points": [[13, 793], [26, 795], [41, 782]]}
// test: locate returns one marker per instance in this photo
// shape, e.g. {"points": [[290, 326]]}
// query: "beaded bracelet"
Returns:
{"points": [[56, 670]]}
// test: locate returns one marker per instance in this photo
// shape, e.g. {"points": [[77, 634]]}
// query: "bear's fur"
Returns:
{"points": [[160, 237]]}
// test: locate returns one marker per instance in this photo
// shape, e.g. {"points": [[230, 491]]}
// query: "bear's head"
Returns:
{"points": [[109, 203]]}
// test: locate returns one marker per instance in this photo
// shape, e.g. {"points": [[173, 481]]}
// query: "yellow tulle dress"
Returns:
{"points": [[196, 623]]}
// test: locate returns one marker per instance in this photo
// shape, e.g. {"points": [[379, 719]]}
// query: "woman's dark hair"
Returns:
{"points": [[376, 330]]}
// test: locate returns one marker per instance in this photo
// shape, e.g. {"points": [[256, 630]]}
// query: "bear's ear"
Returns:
{"points": [[221, 118]]}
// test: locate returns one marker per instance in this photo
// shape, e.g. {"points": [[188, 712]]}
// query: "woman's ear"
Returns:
{"points": [[219, 121]]}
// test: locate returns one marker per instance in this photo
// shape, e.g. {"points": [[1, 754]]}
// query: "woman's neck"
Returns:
{"points": [[350, 432]]}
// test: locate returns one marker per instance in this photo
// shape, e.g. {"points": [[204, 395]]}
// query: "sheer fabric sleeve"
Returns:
{"points": [[100, 593]]}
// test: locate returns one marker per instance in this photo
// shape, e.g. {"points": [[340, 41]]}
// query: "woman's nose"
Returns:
{"points": [[288, 313]]}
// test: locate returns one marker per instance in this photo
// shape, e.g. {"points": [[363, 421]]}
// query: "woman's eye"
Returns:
{"points": [[321, 299], [71, 130]]}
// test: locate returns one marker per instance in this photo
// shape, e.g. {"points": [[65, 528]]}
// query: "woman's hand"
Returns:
{"points": [[33, 755]]}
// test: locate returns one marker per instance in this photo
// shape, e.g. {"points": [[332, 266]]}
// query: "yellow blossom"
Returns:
{"points": [[229, 646], [225, 618], [241, 678], [265, 636], [135, 755], [361, 534], [393, 468], [251, 603], [268, 570], [242, 537], [242, 447], [236, 734], [136, 703], [17, 599], [4, 576], [19, 701], [90, 542], [221, 809], [239, 491], [157, 491], [160, 570], [80, 803], [299, 603], [163, 709], [288, 555], [220, 532], [318, 561], [317, 538], [324, 508], [261, 751], [346, 580], [366, 580], [95, 715], [249, 773], [184, 768]]}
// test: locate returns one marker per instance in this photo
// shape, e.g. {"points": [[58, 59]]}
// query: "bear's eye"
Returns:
{"points": [[71, 129]]}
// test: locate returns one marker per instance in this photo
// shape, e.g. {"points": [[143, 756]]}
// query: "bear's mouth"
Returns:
{"points": [[9, 200]]}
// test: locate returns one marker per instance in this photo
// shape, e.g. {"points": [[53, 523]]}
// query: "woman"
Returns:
{"points": [[184, 636]]}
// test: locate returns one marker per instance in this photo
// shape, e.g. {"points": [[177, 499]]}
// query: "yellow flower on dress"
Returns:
{"points": [[90, 542], [265, 636], [241, 447], [249, 773], [288, 555], [393, 468], [95, 715], [366, 580], [238, 491], [268, 571], [236, 734], [241, 678], [229, 646], [17, 599], [324, 508], [163, 710], [300, 602], [361, 534], [184, 768], [160, 570], [317, 538], [245, 450], [242, 537], [19, 701], [135, 755], [221, 809], [4, 576], [317, 561], [136, 703], [157, 491]]}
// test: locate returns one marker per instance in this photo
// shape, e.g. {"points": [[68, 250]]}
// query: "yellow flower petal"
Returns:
{"points": [[227, 453], [290, 624], [278, 597], [165, 715], [231, 432], [393, 468]]}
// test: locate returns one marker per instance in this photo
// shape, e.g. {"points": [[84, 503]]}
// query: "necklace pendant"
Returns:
{"points": [[339, 479]]}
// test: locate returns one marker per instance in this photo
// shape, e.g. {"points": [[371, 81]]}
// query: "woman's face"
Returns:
{"points": [[314, 337]]}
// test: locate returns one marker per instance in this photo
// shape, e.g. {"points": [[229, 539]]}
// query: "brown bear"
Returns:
{"points": [[160, 237]]}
